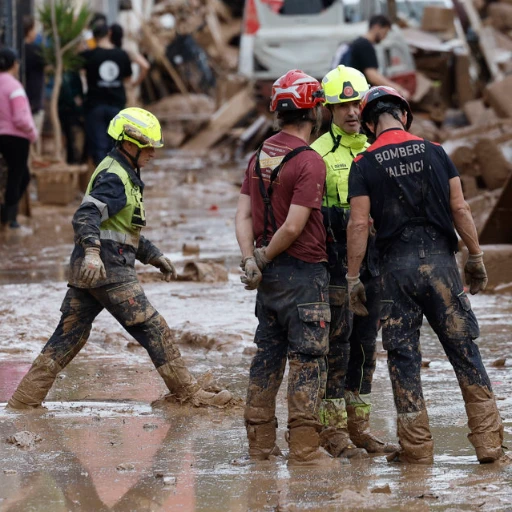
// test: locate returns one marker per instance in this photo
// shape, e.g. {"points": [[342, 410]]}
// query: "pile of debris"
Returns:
{"points": [[463, 56], [193, 82]]}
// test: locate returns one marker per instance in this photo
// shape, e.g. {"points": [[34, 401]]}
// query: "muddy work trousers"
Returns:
{"points": [[352, 339], [293, 315], [128, 305], [420, 277]]}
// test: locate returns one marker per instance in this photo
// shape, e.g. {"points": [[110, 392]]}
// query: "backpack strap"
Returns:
{"points": [[266, 192]]}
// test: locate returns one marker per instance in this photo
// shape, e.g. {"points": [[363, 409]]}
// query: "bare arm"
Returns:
{"points": [[375, 77], [462, 218], [243, 226], [289, 231], [357, 233], [143, 64]]}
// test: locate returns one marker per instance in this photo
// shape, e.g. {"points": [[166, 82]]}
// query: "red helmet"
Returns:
{"points": [[295, 90], [382, 94]]}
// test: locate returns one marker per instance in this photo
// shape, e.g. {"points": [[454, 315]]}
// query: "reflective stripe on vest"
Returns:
{"points": [[122, 238]]}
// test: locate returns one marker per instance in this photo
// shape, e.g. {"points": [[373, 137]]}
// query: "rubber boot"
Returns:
{"points": [[185, 388], [334, 436], [485, 424], [305, 450], [34, 387], [358, 412], [416, 444], [262, 440]]}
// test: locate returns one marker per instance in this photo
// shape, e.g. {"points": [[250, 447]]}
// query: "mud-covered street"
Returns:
{"points": [[101, 444]]}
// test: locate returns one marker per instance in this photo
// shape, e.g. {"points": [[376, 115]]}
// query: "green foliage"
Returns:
{"points": [[70, 23]]}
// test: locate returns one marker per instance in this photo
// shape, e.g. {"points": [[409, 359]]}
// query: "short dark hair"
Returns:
{"points": [[381, 20], [28, 24], [116, 35], [8, 57], [97, 17], [100, 30]]}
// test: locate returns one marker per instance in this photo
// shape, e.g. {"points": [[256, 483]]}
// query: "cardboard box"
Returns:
{"points": [[438, 19], [58, 184], [498, 96], [501, 15]]}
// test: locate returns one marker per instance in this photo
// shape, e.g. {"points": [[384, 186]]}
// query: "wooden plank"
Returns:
{"points": [[225, 118], [498, 227]]}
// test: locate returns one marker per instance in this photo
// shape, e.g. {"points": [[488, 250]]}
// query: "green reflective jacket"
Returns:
{"points": [[338, 163], [131, 218]]}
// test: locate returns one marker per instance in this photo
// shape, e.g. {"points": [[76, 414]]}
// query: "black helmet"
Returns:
{"points": [[8, 57], [379, 100]]}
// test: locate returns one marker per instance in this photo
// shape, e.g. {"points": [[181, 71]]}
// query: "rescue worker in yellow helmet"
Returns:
{"points": [[108, 240], [345, 410]]}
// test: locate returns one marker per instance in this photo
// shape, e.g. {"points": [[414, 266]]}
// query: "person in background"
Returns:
{"points": [[361, 54], [33, 77], [17, 131], [140, 66], [107, 68], [71, 116]]}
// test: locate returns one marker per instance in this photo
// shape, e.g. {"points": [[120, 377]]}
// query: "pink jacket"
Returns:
{"points": [[15, 115]]}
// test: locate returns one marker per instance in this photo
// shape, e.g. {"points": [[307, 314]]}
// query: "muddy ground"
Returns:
{"points": [[101, 445]]}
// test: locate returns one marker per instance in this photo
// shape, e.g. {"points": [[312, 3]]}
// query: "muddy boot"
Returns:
{"points": [[34, 387], [334, 436], [358, 412], [305, 450], [415, 439], [484, 422], [262, 441], [185, 388]]}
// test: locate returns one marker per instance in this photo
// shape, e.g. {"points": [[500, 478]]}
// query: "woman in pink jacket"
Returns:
{"points": [[17, 131]]}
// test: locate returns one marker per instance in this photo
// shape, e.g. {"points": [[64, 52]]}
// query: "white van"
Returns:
{"points": [[272, 43]]}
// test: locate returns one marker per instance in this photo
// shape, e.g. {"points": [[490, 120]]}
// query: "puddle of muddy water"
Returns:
{"points": [[105, 448]]}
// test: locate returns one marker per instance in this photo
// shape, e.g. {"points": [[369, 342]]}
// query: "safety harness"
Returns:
{"points": [[266, 192]]}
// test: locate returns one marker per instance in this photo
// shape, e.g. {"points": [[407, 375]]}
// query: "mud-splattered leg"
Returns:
{"points": [[79, 309], [454, 322], [265, 378], [401, 322], [131, 308], [361, 366]]}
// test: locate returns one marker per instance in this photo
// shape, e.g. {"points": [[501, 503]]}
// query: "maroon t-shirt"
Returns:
{"points": [[300, 182]]}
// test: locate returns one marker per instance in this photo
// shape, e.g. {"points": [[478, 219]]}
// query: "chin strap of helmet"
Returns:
{"points": [[133, 159]]}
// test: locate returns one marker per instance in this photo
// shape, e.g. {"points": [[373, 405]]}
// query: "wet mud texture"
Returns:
{"points": [[104, 448]]}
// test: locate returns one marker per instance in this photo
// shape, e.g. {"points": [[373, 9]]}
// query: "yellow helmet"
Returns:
{"points": [[344, 84], [138, 126]]}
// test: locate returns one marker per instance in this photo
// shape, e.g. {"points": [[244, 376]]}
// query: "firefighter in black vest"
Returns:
{"points": [[108, 240], [414, 195]]}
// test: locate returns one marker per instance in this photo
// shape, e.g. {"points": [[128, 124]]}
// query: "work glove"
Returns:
{"points": [[252, 277], [92, 269], [475, 274], [261, 258], [357, 296], [166, 267]]}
